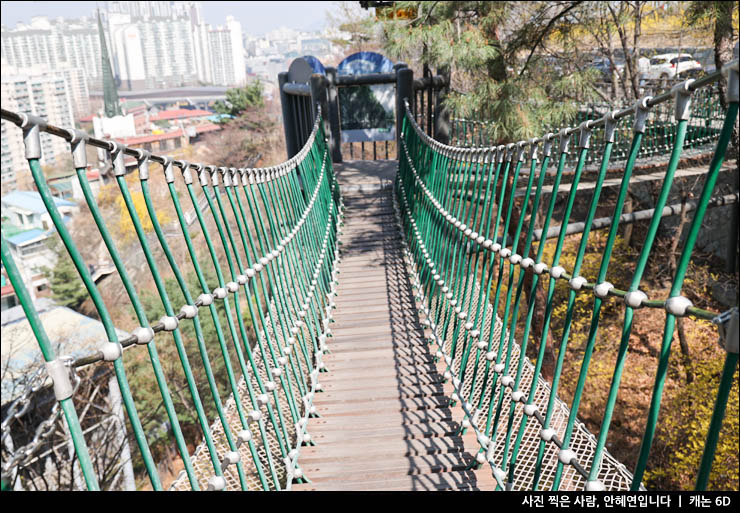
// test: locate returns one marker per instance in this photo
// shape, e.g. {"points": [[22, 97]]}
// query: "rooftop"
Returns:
{"points": [[25, 236], [142, 139], [69, 332], [179, 114], [30, 201]]}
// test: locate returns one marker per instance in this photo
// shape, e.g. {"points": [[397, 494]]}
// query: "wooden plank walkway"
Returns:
{"points": [[385, 418]]}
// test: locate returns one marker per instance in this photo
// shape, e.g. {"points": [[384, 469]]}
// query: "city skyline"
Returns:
{"points": [[257, 18]]}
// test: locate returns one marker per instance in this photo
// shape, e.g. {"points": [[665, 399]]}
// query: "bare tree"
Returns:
{"points": [[49, 461]]}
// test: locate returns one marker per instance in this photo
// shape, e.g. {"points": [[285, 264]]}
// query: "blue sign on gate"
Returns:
{"points": [[367, 112]]}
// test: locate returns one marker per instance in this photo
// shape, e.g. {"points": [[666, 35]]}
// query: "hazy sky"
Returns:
{"points": [[256, 17]]}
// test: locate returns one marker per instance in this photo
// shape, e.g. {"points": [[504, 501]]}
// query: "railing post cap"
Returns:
{"points": [[682, 94], [733, 80], [610, 125], [584, 130], [169, 175], [116, 152], [76, 136], [78, 142], [564, 137], [29, 121], [641, 112], [142, 154], [32, 126]]}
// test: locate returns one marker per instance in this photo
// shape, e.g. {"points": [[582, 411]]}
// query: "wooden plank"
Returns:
{"points": [[333, 395], [376, 424], [385, 420], [459, 480], [392, 379], [374, 343], [389, 447], [380, 468], [329, 434]]}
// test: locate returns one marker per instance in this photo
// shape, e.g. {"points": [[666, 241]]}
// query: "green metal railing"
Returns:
{"points": [[277, 235], [702, 129], [468, 133], [456, 244]]}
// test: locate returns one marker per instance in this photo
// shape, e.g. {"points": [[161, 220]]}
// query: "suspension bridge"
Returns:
{"points": [[390, 312]]}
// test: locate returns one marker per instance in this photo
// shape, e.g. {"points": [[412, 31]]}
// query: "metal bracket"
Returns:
{"points": [[733, 81], [564, 140], [184, 166], [60, 376], [32, 126], [533, 148], [235, 178], [584, 138], [501, 154], [610, 124], [641, 113], [116, 154], [510, 151], [520, 151], [682, 95], [245, 174], [169, 175], [225, 175], [727, 324], [142, 162], [78, 141], [201, 170], [214, 175], [547, 146]]}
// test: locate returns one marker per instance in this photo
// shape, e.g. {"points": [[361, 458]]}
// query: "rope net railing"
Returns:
{"points": [[457, 246], [274, 257], [702, 130]]}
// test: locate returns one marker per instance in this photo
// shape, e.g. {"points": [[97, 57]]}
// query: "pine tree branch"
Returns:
{"points": [[546, 31]]}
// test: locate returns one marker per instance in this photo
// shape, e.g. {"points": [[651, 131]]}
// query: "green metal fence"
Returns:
{"points": [[275, 253], [702, 129], [455, 248]]}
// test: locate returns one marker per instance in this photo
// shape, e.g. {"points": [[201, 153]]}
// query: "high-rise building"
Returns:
{"points": [[148, 9], [76, 79], [169, 55], [227, 54], [150, 44], [54, 44], [46, 95]]}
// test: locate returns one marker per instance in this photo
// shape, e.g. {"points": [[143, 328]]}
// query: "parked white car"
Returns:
{"points": [[668, 66]]}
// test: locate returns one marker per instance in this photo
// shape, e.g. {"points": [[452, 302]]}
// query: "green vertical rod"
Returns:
{"points": [[70, 414], [105, 318], [629, 311], [683, 264]]}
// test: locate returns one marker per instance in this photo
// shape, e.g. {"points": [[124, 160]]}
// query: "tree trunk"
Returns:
{"points": [[635, 56], [628, 227], [496, 67], [683, 343], [538, 320]]}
